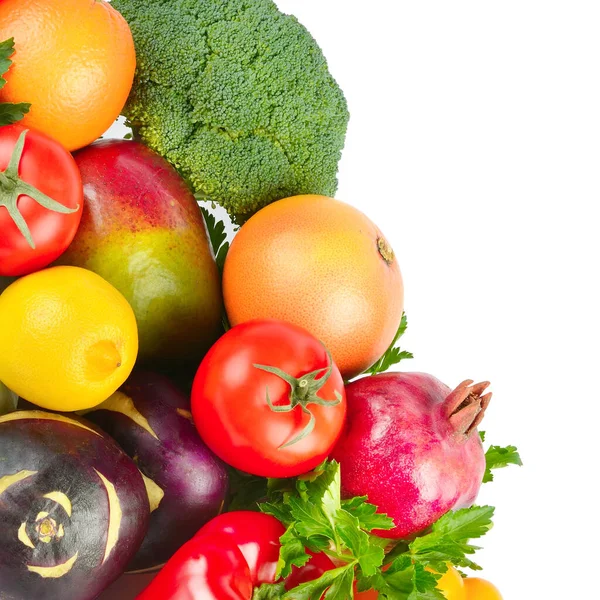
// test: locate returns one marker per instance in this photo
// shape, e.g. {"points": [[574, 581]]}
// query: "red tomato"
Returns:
{"points": [[268, 400], [41, 200], [256, 535], [209, 567]]}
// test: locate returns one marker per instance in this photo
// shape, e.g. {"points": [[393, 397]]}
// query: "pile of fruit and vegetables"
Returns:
{"points": [[223, 410]]}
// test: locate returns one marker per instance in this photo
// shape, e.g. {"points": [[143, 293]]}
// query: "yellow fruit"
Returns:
{"points": [[68, 339], [451, 585], [480, 589]]}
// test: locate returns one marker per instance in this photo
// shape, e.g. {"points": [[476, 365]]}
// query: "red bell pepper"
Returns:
{"points": [[209, 567]]}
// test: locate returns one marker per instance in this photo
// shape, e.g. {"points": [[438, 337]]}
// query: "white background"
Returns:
{"points": [[474, 143]]}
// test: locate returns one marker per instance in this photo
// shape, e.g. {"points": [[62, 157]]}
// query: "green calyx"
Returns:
{"points": [[12, 186], [303, 392]]}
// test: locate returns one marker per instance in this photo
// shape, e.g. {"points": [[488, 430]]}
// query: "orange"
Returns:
{"points": [[74, 62], [480, 589], [323, 265], [69, 339]]}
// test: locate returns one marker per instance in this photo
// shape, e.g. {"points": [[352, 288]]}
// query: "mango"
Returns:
{"points": [[142, 230]]}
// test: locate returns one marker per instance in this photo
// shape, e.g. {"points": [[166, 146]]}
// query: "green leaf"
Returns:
{"points": [[246, 491], [342, 586], [448, 541], [367, 514], [292, 552], [343, 577], [393, 355], [498, 457], [310, 519], [405, 581], [217, 236], [8, 400], [9, 112], [370, 555], [269, 591], [13, 113], [279, 510]]}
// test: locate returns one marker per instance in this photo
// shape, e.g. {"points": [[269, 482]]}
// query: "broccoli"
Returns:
{"points": [[238, 97]]}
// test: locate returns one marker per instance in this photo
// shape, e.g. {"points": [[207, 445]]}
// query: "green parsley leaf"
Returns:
{"points": [[370, 556], [367, 514], [393, 355], [405, 580], [9, 112], [498, 457], [269, 591], [246, 491], [217, 236], [292, 552], [448, 541], [340, 579]]}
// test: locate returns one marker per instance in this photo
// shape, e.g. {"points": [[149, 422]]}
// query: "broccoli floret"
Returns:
{"points": [[238, 97]]}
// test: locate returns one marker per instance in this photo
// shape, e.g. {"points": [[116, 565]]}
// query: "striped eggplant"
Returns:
{"points": [[73, 508]]}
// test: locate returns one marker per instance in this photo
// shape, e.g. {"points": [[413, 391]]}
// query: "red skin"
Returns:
{"points": [[208, 567], [47, 166], [139, 182], [400, 449], [313, 569], [256, 535], [229, 400]]}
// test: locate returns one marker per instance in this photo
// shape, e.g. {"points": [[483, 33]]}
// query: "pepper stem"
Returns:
{"points": [[12, 186], [303, 391]]}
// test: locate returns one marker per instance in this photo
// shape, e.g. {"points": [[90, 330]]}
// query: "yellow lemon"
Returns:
{"points": [[68, 338]]}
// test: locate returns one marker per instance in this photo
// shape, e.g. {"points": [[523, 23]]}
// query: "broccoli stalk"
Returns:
{"points": [[238, 97]]}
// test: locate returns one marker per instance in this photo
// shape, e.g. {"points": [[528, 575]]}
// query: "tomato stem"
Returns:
{"points": [[303, 392], [12, 186]]}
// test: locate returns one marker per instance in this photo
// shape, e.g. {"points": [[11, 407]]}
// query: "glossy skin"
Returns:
{"points": [[451, 584], [399, 449], [480, 589], [229, 400], [47, 166], [313, 569], [69, 338], [142, 231], [77, 511], [151, 420], [208, 567], [256, 535], [315, 262]]}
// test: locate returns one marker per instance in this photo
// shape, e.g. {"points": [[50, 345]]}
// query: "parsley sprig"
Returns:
{"points": [[9, 112], [393, 355], [316, 518], [217, 236], [498, 457]]}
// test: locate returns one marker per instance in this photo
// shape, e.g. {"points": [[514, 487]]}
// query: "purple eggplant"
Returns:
{"points": [[73, 508], [187, 484]]}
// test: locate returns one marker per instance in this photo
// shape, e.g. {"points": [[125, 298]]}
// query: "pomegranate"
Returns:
{"points": [[410, 444]]}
